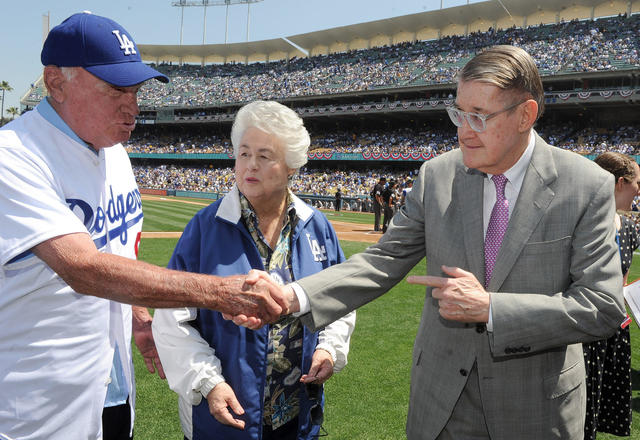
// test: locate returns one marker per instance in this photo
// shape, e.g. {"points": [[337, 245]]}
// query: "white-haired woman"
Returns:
{"points": [[262, 384]]}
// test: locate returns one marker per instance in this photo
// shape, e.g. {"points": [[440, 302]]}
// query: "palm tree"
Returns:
{"points": [[4, 86], [13, 111]]}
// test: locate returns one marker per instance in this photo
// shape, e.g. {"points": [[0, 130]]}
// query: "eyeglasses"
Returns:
{"points": [[477, 121], [314, 393]]}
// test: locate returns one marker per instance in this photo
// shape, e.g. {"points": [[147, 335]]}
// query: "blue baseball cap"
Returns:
{"points": [[99, 45]]}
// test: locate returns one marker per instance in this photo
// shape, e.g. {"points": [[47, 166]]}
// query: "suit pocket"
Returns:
{"points": [[568, 380], [547, 247], [549, 261]]}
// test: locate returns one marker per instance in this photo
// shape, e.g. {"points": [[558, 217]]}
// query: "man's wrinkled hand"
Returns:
{"points": [[278, 293], [143, 338], [283, 295], [255, 296], [460, 296]]}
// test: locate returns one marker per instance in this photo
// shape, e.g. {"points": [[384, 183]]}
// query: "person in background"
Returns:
{"points": [[608, 361], [239, 384], [338, 200], [407, 189], [69, 234], [388, 202], [376, 198]]}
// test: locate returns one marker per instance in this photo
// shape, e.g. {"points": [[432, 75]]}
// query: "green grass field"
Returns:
{"points": [[172, 214], [368, 399]]}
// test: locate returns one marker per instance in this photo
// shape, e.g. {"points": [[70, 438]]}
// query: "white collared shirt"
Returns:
{"points": [[515, 176]]}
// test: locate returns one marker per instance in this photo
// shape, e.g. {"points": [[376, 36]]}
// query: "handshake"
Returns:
{"points": [[254, 300]]}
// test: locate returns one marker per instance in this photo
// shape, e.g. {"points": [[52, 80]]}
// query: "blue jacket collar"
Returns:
{"points": [[230, 210]]}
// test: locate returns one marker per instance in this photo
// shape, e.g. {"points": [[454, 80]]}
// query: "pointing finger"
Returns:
{"points": [[427, 280]]}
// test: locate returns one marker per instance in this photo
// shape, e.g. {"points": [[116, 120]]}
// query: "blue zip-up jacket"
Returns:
{"points": [[216, 242]]}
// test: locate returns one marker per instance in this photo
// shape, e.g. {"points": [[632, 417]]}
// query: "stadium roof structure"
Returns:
{"points": [[457, 20]]}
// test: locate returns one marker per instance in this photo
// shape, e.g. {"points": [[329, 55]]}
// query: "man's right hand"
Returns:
{"points": [[283, 295], [75, 258], [255, 296]]}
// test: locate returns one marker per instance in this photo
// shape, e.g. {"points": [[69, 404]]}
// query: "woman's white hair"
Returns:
{"points": [[277, 120]]}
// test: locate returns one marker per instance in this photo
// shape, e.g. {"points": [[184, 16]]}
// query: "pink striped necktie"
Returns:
{"points": [[497, 226]]}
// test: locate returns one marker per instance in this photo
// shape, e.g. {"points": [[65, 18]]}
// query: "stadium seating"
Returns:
{"points": [[577, 46], [203, 94]]}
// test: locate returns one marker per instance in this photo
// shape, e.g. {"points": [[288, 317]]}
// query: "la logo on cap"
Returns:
{"points": [[126, 44], [99, 45]]}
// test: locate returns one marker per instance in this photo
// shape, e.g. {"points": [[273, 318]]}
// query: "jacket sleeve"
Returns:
{"points": [[190, 364], [335, 339]]}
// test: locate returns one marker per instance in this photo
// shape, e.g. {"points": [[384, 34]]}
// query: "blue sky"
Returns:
{"points": [[158, 22]]}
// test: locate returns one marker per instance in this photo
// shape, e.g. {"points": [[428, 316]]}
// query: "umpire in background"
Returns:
{"points": [[69, 234], [376, 197]]}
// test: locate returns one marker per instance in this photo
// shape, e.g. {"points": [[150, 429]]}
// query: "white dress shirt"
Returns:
{"points": [[515, 177]]}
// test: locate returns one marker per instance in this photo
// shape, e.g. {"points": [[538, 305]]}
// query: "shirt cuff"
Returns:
{"points": [[490, 323], [329, 349], [210, 384], [303, 299]]}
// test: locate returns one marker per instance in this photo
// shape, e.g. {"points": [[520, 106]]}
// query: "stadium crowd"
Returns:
{"points": [[583, 139], [401, 140], [310, 181], [355, 186], [575, 46], [592, 140]]}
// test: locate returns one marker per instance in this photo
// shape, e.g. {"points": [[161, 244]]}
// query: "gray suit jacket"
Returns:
{"points": [[556, 283]]}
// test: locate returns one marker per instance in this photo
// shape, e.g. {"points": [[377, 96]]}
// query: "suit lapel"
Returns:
{"points": [[533, 201], [469, 189]]}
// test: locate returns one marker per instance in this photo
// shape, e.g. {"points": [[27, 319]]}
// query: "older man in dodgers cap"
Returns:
{"points": [[69, 236]]}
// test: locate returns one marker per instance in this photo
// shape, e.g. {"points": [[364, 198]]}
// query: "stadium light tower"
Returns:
{"points": [[204, 4]]}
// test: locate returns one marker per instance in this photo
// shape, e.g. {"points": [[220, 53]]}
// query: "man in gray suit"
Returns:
{"points": [[522, 268]]}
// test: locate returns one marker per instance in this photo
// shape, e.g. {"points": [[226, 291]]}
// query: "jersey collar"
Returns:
{"points": [[48, 112]]}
